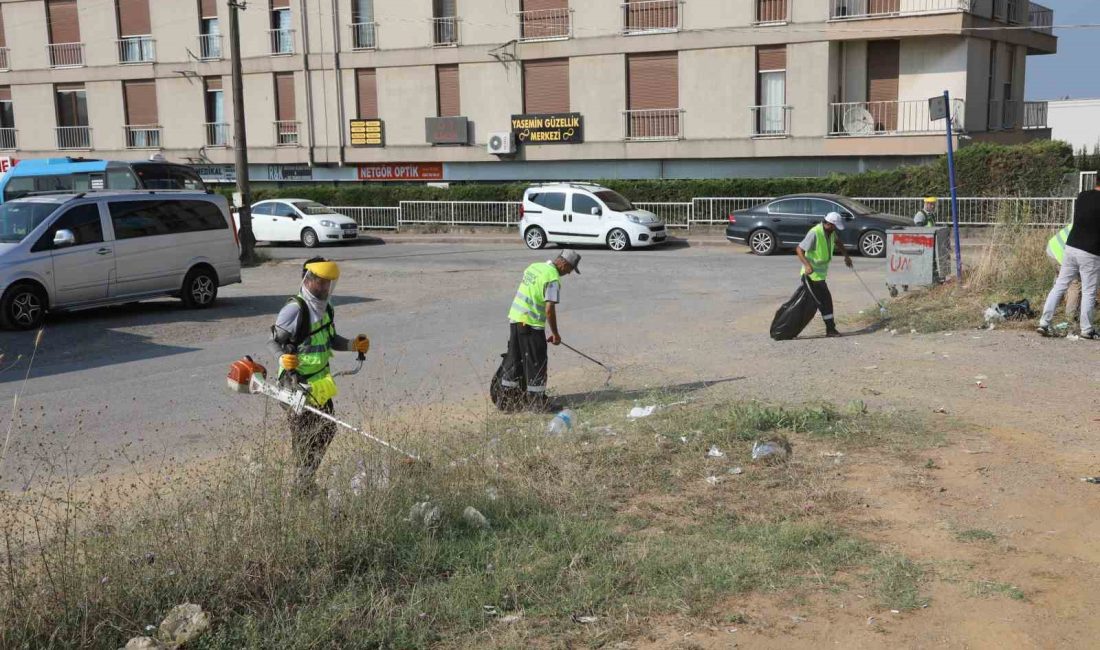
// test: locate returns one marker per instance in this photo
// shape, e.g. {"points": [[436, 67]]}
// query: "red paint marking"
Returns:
{"points": [[899, 263], [928, 241]]}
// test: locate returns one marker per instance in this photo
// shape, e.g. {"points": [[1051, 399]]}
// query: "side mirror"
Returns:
{"points": [[64, 238], [597, 212]]}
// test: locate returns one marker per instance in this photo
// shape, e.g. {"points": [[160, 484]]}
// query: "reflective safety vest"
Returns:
{"points": [[929, 218], [1056, 247], [822, 253], [529, 305], [314, 351]]}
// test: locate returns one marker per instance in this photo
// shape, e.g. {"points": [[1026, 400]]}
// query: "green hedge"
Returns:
{"points": [[1034, 169]]}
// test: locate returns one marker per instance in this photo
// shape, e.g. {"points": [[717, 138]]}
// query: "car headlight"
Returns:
{"points": [[328, 224], [634, 218]]}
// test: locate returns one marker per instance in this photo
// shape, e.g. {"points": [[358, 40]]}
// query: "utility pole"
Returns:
{"points": [[954, 189], [248, 240]]}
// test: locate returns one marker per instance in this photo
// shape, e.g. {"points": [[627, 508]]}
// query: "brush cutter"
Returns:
{"points": [[881, 306], [247, 376], [608, 369]]}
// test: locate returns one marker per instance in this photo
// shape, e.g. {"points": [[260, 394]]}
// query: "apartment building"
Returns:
{"points": [[419, 89]]}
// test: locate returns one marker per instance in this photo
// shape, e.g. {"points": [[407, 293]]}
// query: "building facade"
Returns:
{"points": [[424, 89], [1076, 121]]}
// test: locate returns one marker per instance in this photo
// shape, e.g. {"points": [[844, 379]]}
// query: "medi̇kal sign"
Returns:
{"points": [[414, 172], [6, 163], [548, 128]]}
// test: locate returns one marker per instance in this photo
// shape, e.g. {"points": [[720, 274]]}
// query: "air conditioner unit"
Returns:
{"points": [[502, 143]]}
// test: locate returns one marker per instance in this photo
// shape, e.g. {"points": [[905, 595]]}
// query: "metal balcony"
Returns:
{"points": [[853, 9], [66, 55], [136, 49], [771, 121], [444, 31], [364, 36], [653, 124], [651, 17], [545, 25], [861, 119], [142, 136], [74, 137]]}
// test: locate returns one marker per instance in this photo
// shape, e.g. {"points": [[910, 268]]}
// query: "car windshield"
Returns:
{"points": [[17, 220], [160, 176], [856, 207], [313, 207], [614, 201]]}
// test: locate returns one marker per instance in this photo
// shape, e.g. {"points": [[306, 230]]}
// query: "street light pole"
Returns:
{"points": [[248, 240]]}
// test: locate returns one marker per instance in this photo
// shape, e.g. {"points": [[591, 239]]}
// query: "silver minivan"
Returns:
{"points": [[75, 251]]}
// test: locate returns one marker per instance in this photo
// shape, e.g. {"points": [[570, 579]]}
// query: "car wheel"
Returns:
{"points": [[762, 242], [618, 240], [309, 238], [535, 238], [872, 244], [23, 307], [200, 288]]}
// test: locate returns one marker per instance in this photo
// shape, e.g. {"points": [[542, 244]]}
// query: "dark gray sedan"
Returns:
{"points": [[783, 222]]}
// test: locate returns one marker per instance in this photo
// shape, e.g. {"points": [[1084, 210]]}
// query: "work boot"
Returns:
{"points": [[1045, 330], [1091, 334], [831, 332]]}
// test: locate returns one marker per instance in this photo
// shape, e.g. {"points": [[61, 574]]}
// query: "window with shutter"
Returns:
{"points": [[546, 86], [544, 19], [208, 8], [72, 105], [651, 16], [141, 102], [64, 25], [653, 95], [284, 97], [771, 11], [883, 70], [366, 89], [771, 89], [3, 38], [133, 18], [447, 88]]}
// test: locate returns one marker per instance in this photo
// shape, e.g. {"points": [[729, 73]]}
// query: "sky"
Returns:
{"points": [[1075, 70]]}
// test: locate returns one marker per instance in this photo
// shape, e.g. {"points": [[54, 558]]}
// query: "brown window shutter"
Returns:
{"points": [[133, 18], [3, 38], [141, 101], [444, 8], [213, 83], [280, 4], [447, 84], [884, 6], [63, 22], [771, 58], [539, 5], [208, 8], [366, 89], [546, 86], [883, 69], [284, 96], [5, 93], [653, 81], [771, 11]]}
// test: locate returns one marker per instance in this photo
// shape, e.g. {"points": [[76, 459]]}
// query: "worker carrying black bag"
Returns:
{"points": [[794, 315]]}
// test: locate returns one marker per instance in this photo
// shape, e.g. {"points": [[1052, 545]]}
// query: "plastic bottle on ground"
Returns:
{"points": [[561, 424]]}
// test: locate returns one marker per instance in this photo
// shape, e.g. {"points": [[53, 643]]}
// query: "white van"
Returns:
{"points": [[300, 220], [582, 213], [75, 251]]}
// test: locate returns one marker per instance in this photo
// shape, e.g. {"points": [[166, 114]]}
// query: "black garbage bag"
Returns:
{"points": [[507, 399], [1019, 310], [794, 315]]}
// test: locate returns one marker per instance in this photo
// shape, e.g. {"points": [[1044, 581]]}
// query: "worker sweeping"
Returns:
{"points": [[303, 339], [815, 252], [1056, 253], [534, 310]]}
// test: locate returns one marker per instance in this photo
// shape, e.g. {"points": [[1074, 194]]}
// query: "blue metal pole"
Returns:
{"points": [[954, 190]]}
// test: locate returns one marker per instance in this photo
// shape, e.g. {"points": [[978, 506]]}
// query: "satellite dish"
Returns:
{"points": [[859, 121]]}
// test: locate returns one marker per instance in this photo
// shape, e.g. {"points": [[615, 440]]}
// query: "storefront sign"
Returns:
{"points": [[401, 172], [216, 173], [368, 133], [289, 173], [447, 130], [6, 163], [549, 128]]}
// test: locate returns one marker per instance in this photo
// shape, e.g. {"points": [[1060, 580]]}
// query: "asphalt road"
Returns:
{"points": [[146, 382]]}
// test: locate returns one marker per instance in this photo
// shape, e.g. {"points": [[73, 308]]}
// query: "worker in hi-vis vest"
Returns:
{"points": [[533, 313], [815, 252], [1056, 251], [926, 216], [303, 338]]}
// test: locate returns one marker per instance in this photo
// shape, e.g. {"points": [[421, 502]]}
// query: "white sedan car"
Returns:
{"points": [[301, 220]]}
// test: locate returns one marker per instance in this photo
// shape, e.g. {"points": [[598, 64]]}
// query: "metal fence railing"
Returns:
{"points": [[282, 41], [4, 65], [714, 210], [66, 55], [460, 213], [847, 9], [9, 140], [217, 134], [372, 218], [675, 215], [137, 49], [74, 137], [653, 124], [772, 12], [210, 47], [889, 118], [651, 16], [364, 36], [444, 31], [142, 136], [544, 24], [287, 133], [1088, 180], [771, 121], [1041, 19], [1035, 115]]}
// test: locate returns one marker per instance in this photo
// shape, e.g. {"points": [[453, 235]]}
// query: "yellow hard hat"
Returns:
{"points": [[325, 270], [929, 199]]}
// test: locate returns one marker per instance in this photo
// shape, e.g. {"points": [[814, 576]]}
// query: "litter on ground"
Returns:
{"points": [[715, 452], [641, 412]]}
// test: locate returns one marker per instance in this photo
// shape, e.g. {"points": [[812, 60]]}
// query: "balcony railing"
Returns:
{"points": [[286, 133], [217, 134], [66, 55], [889, 118], [544, 25], [4, 65], [848, 9], [772, 12], [210, 47], [142, 136], [1041, 19], [771, 121], [74, 137], [364, 36], [1035, 115], [653, 124], [8, 139], [282, 41], [444, 31], [1003, 115], [651, 16], [137, 49]]}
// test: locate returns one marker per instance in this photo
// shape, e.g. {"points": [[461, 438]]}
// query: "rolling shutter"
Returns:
{"points": [[443, 8], [771, 58], [771, 11], [3, 38], [546, 86], [63, 22], [883, 69], [141, 102], [362, 11], [208, 8], [366, 89], [213, 83], [653, 81], [5, 93], [446, 77], [284, 97], [133, 18], [884, 7], [280, 4]]}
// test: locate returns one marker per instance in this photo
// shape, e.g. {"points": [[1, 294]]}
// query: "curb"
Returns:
{"points": [[690, 242]]}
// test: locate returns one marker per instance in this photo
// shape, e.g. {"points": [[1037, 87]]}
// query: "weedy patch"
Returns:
{"points": [[897, 581], [976, 535], [990, 589]]}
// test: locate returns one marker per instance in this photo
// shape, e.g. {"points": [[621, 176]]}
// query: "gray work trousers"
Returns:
{"points": [[1077, 264]]}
